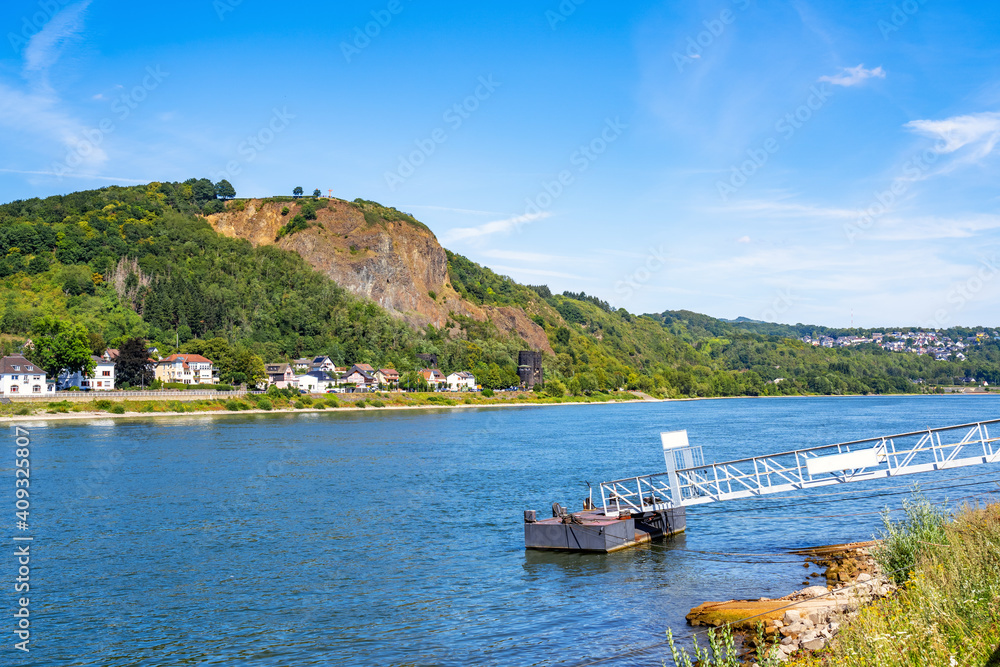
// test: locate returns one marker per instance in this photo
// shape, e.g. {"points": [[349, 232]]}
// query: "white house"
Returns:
{"points": [[435, 378], [18, 376], [280, 375], [462, 381], [315, 382], [103, 378], [186, 369]]}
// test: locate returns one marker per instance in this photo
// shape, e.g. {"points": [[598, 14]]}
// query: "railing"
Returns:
{"points": [[97, 394], [873, 458]]}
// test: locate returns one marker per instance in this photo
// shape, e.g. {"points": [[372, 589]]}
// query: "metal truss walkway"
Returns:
{"points": [[689, 481]]}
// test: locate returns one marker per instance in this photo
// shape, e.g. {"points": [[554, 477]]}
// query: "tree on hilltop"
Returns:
{"points": [[297, 192], [224, 190], [316, 192]]}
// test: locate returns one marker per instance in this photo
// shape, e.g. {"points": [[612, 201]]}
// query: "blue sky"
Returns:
{"points": [[790, 161]]}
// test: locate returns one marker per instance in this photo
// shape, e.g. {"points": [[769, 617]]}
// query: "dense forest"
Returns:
{"points": [[140, 261]]}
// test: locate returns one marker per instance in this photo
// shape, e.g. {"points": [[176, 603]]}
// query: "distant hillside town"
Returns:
{"points": [[938, 345]]}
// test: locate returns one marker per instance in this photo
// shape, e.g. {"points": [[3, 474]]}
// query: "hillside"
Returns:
{"points": [[373, 252], [360, 282]]}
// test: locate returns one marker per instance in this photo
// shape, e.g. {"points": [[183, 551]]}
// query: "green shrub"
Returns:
{"points": [[265, 404], [223, 387], [377, 404], [284, 210], [320, 406], [360, 404], [298, 405], [332, 403], [555, 388], [118, 409], [903, 541], [488, 393], [232, 406], [23, 410], [102, 404]]}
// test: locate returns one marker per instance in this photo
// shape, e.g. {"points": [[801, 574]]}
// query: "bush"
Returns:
{"points": [[232, 406], [265, 404], [23, 410], [332, 403], [904, 541], [320, 406], [284, 210], [377, 404], [298, 405], [488, 393], [102, 404], [555, 388], [361, 404], [118, 409], [223, 387]]}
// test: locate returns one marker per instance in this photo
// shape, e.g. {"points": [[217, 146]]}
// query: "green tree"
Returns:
{"points": [[413, 381], [60, 345], [317, 193], [133, 367], [297, 192], [224, 190]]}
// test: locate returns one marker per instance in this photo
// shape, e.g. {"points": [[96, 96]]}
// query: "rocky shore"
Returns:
{"points": [[808, 619]]}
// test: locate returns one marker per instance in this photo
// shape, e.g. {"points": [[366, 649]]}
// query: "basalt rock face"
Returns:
{"points": [[396, 264]]}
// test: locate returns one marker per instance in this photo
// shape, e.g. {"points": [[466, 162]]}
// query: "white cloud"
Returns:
{"points": [[979, 132], [519, 256], [538, 272], [852, 76], [45, 47], [743, 239], [504, 226]]}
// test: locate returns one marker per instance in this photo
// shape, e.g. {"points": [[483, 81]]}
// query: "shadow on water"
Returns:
{"points": [[576, 564]]}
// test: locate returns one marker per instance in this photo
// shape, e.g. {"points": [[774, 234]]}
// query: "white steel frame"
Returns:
{"points": [[859, 460]]}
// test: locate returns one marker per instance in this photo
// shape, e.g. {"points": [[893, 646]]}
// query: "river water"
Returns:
{"points": [[395, 537]]}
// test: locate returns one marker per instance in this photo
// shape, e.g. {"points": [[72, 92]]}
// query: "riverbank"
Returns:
{"points": [[928, 594], [104, 408]]}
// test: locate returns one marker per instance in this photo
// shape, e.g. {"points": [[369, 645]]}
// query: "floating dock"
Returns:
{"points": [[638, 509], [594, 531]]}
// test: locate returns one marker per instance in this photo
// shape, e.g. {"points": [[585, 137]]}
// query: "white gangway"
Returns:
{"points": [[689, 481]]}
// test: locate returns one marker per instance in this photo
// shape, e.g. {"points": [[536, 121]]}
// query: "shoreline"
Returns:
{"points": [[63, 416], [76, 416]]}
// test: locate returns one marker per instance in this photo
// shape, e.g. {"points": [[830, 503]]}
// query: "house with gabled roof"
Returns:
{"points": [[186, 369], [102, 379], [387, 377], [280, 375], [435, 378], [20, 377], [461, 381]]}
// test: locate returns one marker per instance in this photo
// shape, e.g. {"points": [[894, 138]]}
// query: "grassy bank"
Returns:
{"points": [[948, 612], [294, 402]]}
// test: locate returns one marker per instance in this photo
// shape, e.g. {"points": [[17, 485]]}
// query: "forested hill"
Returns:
{"points": [[143, 261]]}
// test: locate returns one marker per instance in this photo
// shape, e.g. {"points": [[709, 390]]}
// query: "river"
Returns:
{"points": [[395, 537]]}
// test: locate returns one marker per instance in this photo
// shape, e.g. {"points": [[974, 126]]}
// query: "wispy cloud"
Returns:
{"points": [[852, 76], [449, 209], [45, 47], [979, 132], [93, 177], [504, 226], [36, 110]]}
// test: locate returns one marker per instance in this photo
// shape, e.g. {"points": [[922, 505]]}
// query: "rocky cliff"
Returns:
{"points": [[396, 263]]}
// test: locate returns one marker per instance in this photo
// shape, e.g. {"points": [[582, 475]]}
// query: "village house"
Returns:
{"points": [[359, 378], [435, 378], [18, 376], [315, 382], [302, 365], [186, 369], [322, 364], [461, 381], [102, 379], [387, 377], [280, 375]]}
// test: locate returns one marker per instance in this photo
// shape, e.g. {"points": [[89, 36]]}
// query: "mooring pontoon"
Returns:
{"points": [[638, 509]]}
